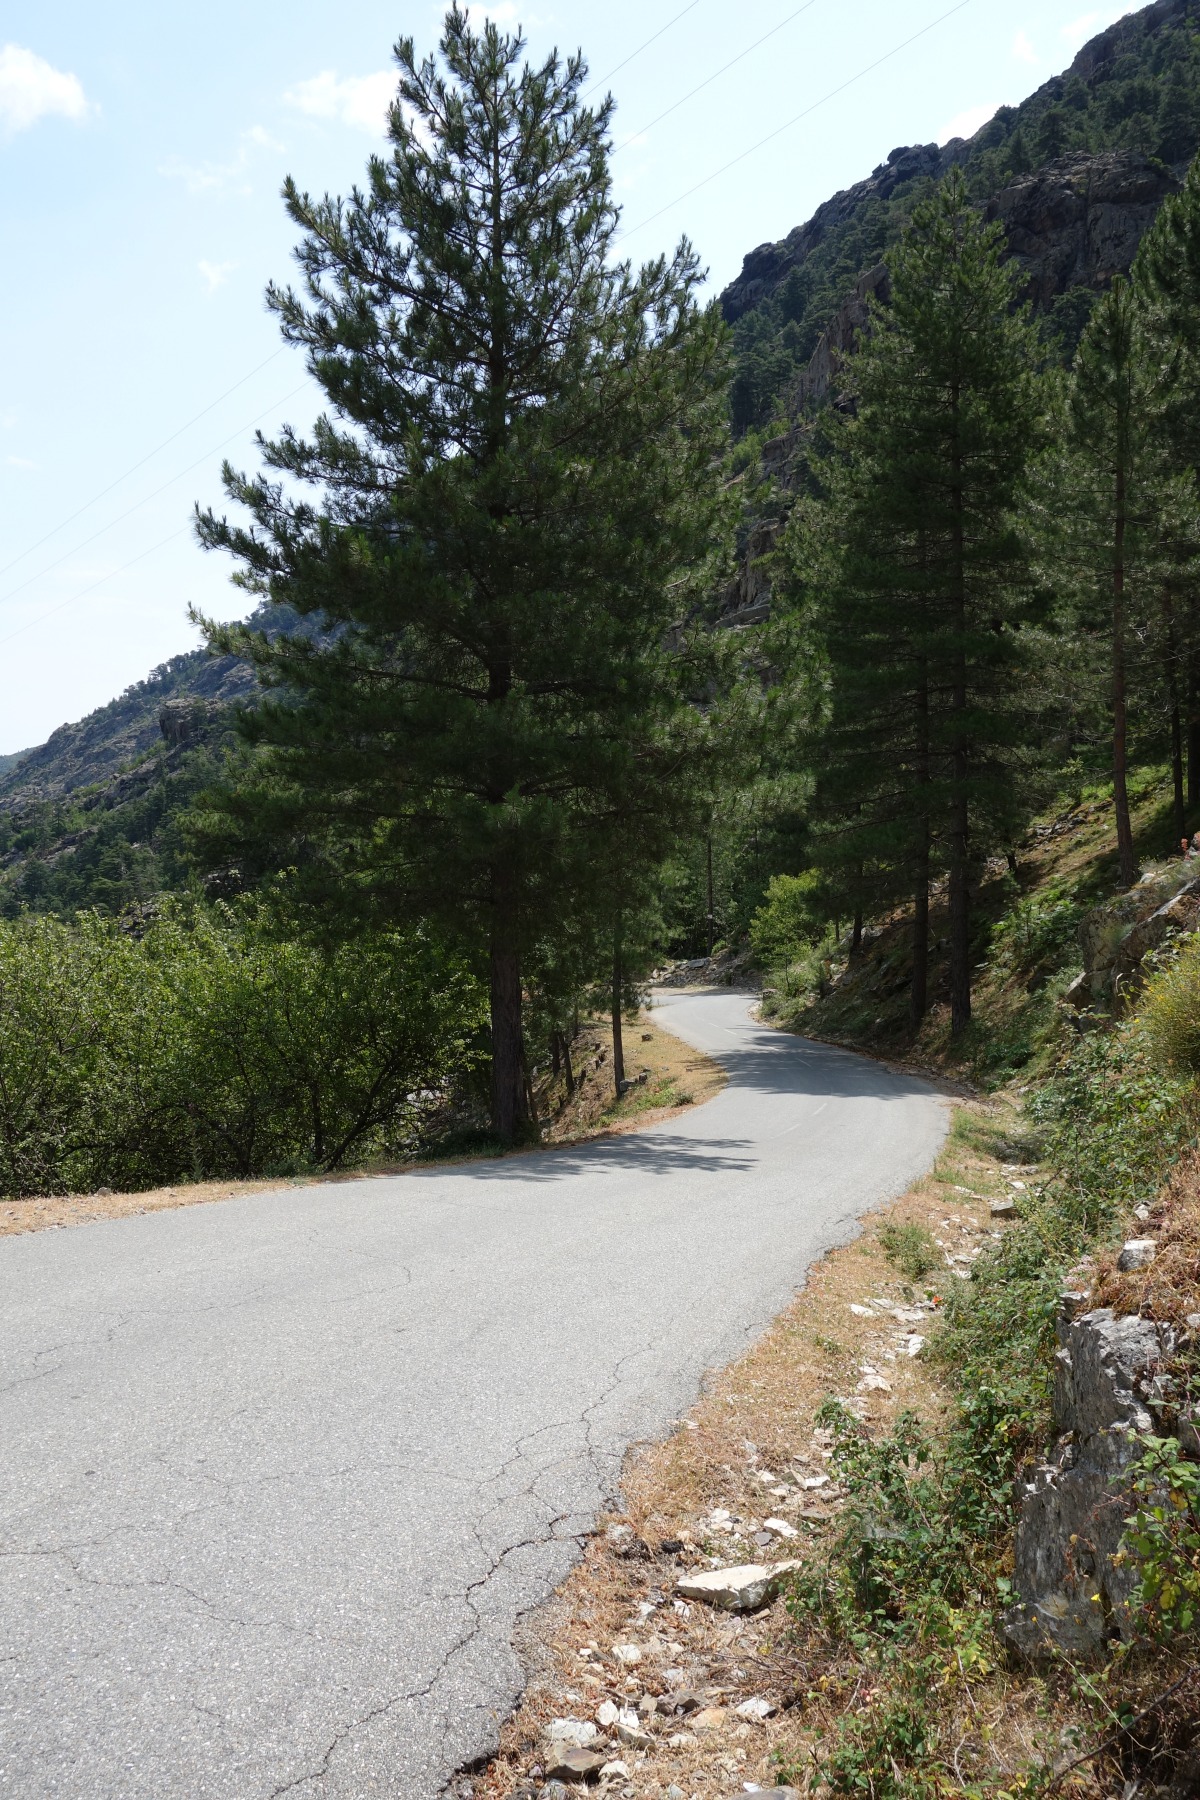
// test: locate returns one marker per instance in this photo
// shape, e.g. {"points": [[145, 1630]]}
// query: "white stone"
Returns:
{"points": [[815, 1481], [628, 1654], [757, 1708], [914, 1344], [573, 1734], [607, 1714], [862, 1312], [736, 1590], [874, 1384], [616, 1770], [630, 1729], [1138, 1253], [780, 1527]]}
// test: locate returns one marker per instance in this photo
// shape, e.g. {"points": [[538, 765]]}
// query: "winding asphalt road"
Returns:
{"points": [[278, 1474]]}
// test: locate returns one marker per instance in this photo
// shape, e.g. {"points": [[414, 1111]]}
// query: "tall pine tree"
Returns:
{"points": [[921, 584], [1167, 278], [516, 494], [1109, 530]]}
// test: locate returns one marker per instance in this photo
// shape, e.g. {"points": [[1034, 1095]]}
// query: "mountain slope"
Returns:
{"points": [[1075, 174]]}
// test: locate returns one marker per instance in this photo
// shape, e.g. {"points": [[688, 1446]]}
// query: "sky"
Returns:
{"points": [[142, 149]]}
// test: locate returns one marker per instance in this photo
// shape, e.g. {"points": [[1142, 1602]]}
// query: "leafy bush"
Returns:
{"points": [[1163, 1533], [910, 1248], [1170, 1013], [212, 1046], [792, 915], [1036, 932], [1114, 1125]]}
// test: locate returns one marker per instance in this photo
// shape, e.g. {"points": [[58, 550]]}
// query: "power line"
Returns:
{"points": [[146, 499], [134, 467], [787, 125], [111, 576], [709, 79], [692, 4]]}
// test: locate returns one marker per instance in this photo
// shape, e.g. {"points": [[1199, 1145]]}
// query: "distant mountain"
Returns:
{"points": [[92, 817]]}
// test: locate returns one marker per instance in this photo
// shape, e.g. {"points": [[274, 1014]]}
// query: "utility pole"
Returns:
{"points": [[711, 920]]}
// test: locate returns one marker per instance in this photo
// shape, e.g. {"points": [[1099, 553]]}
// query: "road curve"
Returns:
{"points": [[279, 1473]]}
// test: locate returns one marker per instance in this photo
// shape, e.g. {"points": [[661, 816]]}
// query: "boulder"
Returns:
{"points": [[743, 1589], [1138, 1253]]}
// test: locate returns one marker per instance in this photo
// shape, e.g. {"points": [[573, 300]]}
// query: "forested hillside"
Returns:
{"points": [[1075, 174]]}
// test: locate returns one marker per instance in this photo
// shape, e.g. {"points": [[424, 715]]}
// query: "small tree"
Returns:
{"points": [[519, 493]]}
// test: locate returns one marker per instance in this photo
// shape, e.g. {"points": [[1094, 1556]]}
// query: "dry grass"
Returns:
{"points": [[677, 1077], [668, 1077], [1170, 1288], [841, 1336]]}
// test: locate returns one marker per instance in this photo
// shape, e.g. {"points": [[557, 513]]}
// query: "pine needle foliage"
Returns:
{"points": [[513, 497], [916, 582]]}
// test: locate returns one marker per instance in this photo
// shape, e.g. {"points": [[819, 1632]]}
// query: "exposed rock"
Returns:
{"points": [[1073, 1508], [1138, 1253], [775, 1793], [743, 1589], [574, 1765], [1116, 937], [756, 1708], [575, 1734], [1079, 220], [1002, 1209]]}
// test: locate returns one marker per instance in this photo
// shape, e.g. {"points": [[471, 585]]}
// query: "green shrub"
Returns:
{"points": [[1170, 1013], [1163, 1533], [1037, 932], [792, 916], [211, 1045], [909, 1248]]}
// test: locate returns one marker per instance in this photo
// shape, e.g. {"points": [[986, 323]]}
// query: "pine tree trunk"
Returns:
{"points": [[856, 933], [959, 836], [618, 988], [567, 1069], [510, 1112], [711, 916], [1193, 703], [918, 997], [1119, 695], [1174, 660]]}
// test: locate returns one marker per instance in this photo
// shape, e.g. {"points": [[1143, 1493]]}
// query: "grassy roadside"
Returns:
{"points": [[872, 1433], [882, 1670], [676, 1077]]}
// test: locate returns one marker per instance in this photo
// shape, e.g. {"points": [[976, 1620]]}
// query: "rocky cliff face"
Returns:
{"points": [[1079, 226], [1078, 221]]}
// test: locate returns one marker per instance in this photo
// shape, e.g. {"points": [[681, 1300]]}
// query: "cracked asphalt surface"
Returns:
{"points": [[279, 1473]]}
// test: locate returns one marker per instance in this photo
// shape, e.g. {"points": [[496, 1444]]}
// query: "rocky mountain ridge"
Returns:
{"points": [[765, 268]]}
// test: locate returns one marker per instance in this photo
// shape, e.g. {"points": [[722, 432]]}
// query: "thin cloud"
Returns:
{"points": [[215, 274], [212, 177], [1024, 51], [21, 462], [32, 89], [965, 124], [361, 101]]}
